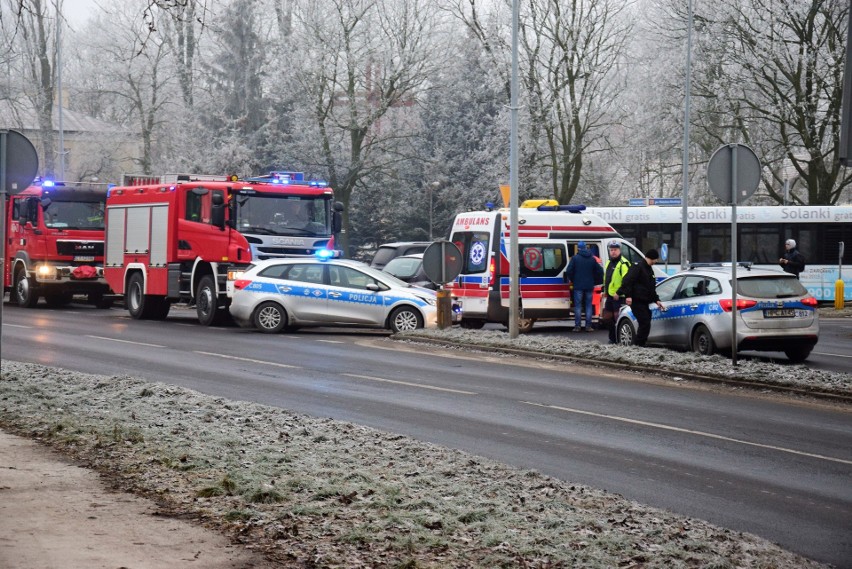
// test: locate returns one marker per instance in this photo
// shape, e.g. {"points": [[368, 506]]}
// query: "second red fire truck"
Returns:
{"points": [[176, 238]]}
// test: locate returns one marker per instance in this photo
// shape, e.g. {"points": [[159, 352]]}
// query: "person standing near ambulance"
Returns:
{"points": [[583, 272], [614, 271], [639, 289]]}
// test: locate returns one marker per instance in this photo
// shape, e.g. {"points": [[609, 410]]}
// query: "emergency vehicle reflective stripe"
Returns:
{"points": [[331, 294]]}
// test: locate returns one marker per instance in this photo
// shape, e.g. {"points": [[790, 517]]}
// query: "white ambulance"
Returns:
{"points": [[547, 238]]}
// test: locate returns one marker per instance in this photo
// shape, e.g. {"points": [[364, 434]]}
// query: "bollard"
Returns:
{"points": [[445, 306], [838, 294]]}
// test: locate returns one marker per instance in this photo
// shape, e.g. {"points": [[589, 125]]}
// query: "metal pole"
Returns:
{"points": [[431, 189], [3, 213], [684, 224], [514, 285], [734, 197], [61, 173]]}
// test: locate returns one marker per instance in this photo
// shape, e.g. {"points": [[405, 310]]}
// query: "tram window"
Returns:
{"points": [[758, 243], [808, 245], [712, 244]]}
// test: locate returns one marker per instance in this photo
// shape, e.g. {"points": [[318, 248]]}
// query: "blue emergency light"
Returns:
{"points": [[575, 208], [324, 254]]}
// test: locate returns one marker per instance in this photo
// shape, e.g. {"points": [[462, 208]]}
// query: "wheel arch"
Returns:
{"points": [[404, 304], [201, 269], [133, 268]]}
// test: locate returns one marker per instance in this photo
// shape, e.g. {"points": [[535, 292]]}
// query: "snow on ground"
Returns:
{"points": [[314, 492], [667, 362]]}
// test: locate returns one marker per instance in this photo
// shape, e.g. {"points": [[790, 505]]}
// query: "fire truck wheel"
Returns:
{"points": [[159, 308], [404, 319], [138, 303], [26, 295], [269, 317], [207, 303]]}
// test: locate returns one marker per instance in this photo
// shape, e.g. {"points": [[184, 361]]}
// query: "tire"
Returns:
{"points": [[702, 342], [24, 290], [625, 333], [472, 324], [525, 325], [799, 354], [159, 308], [269, 317], [141, 306], [405, 319], [57, 300], [207, 302]]}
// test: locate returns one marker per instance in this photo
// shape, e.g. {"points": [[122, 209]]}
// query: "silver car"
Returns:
{"points": [[279, 294], [774, 313]]}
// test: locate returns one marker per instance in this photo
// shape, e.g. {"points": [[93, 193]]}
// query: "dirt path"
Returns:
{"points": [[55, 514]]}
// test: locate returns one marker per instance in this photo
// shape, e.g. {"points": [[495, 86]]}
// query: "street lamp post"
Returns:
{"points": [[432, 187]]}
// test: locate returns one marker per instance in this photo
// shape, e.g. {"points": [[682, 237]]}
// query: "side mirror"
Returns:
{"points": [[373, 287], [217, 216]]}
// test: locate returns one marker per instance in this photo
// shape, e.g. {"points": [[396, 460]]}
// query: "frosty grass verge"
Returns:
{"points": [[670, 362], [323, 493]]}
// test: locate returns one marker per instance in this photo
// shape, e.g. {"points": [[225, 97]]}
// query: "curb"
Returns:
{"points": [[816, 392]]}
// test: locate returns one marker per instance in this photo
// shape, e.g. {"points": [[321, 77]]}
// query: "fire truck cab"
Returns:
{"points": [[176, 238], [55, 244], [547, 238]]}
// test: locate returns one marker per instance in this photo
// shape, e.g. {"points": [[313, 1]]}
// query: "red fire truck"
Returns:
{"points": [[175, 238], [55, 244]]}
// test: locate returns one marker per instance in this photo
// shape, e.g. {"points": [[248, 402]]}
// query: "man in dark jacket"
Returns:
{"points": [[792, 262], [639, 289], [583, 272]]}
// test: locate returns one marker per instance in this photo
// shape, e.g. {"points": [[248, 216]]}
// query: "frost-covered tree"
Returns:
{"points": [[570, 51], [771, 76], [360, 67], [29, 29]]}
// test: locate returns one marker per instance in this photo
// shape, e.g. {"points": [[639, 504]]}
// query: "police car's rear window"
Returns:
{"points": [[771, 287]]}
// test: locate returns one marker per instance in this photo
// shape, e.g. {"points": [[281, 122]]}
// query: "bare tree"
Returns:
{"points": [[572, 50], [33, 27], [783, 71], [137, 68], [363, 63]]}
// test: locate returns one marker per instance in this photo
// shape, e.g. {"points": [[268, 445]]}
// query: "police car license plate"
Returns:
{"points": [[784, 313], [84, 258]]}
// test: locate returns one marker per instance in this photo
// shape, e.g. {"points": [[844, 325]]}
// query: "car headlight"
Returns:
{"points": [[430, 300], [235, 274], [46, 271]]}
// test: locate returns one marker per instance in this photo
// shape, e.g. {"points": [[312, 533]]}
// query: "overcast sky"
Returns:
{"points": [[78, 11]]}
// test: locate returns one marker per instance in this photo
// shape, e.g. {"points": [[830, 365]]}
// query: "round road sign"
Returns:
{"points": [[442, 262], [21, 161]]}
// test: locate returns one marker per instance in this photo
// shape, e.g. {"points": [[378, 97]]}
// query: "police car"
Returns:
{"points": [[279, 294], [774, 312]]}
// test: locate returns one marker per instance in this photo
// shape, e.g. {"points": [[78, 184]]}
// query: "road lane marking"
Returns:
{"points": [[833, 355], [420, 385], [688, 431], [332, 341], [276, 364], [16, 326], [125, 341]]}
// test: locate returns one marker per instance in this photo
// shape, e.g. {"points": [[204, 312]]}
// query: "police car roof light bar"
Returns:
{"points": [[574, 208]]}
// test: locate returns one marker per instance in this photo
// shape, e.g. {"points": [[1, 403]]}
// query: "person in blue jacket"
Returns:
{"points": [[584, 272]]}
